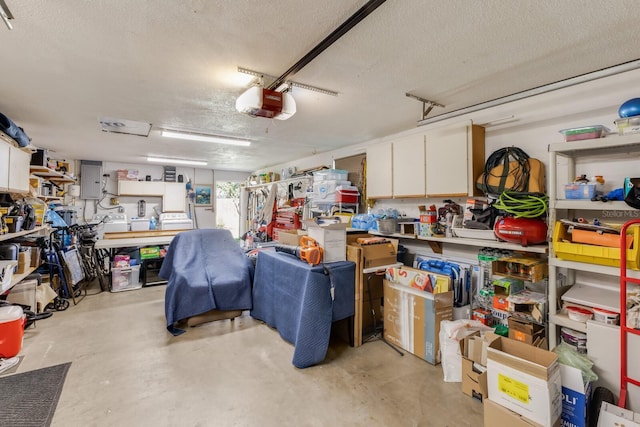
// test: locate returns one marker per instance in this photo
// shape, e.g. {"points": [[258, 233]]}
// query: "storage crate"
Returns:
{"points": [[564, 248], [124, 279], [579, 191], [330, 175]]}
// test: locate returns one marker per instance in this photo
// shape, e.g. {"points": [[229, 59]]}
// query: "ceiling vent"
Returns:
{"points": [[128, 127]]}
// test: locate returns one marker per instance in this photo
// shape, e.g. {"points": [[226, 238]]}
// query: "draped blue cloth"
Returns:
{"points": [[302, 301], [205, 270]]}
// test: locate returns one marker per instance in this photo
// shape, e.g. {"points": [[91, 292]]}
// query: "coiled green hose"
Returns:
{"points": [[522, 205]]}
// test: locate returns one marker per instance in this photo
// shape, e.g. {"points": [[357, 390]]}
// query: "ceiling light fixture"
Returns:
{"points": [[5, 14], [176, 161], [205, 138]]}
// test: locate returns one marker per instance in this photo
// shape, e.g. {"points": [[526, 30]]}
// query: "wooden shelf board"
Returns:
{"points": [[10, 236]]}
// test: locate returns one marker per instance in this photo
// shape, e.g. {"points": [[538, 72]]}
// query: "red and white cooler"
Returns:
{"points": [[11, 330], [347, 194]]}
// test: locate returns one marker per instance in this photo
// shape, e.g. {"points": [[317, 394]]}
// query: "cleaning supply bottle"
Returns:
{"points": [[152, 223]]}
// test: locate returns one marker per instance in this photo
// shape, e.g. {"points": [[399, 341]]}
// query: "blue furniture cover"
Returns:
{"points": [[296, 299], [205, 270]]}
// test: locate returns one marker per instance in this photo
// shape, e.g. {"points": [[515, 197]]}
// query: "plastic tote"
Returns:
{"points": [[12, 321]]}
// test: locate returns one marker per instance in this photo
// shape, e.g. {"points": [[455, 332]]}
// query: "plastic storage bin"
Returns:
{"points": [[579, 191], [325, 191], [347, 194], [330, 174], [628, 125], [564, 248], [585, 132], [125, 279]]}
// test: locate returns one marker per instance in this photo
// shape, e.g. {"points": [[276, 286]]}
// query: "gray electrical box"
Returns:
{"points": [[90, 178]]}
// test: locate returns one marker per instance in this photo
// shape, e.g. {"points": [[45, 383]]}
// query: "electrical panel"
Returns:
{"points": [[90, 179]]}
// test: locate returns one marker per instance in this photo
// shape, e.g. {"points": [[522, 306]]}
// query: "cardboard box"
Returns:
{"points": [[290, 237], [525, 379], [612, 415], [529, 269], [496, 415], [377, 255], [473, 349], [500, 317], [332, 238], [528, 304], [412, 319], [362, 319], [419, 279], [525, 331], [575, 396], [35, 256], [24, 261]]}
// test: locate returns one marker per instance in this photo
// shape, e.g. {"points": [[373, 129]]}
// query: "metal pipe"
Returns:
{"points": [[362, 13]]}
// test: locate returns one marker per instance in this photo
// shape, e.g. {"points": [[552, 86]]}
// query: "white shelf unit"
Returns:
{"points": [[603, 296], [482, 243]]}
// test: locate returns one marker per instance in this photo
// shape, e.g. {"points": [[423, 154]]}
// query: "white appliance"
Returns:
{"points": [[175, 221], [115, 223]]}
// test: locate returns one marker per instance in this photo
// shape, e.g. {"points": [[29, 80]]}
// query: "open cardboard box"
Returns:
{"points": [[473, 349], [525, 379]]}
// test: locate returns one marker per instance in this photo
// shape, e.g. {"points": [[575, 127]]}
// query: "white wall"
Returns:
{"points": [[203, 216], [532, 124]]}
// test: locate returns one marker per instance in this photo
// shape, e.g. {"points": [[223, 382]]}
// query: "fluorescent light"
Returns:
{"points": [[205, 138], [178, 161]]}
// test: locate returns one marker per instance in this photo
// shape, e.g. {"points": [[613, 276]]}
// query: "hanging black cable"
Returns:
{"points": [[362, 13]]}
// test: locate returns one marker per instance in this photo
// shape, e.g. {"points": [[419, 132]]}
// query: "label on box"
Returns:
{"points": [[513, 388]]}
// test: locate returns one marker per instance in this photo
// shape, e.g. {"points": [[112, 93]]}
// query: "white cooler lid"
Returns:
{"points": [[10, 313]]}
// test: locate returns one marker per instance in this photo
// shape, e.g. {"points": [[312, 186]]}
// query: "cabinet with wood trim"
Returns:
{"points": [[380, 171], [14, 167], [455, 157], [408, 170]]}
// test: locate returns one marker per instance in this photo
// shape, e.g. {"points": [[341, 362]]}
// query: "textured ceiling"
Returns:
{"points": [[174, 64]]}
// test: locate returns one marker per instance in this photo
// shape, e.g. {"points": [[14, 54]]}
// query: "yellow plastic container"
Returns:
{"points": [[564, 248]]}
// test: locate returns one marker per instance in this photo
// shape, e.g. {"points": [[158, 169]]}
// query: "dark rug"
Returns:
{"points": [[30, 398]]}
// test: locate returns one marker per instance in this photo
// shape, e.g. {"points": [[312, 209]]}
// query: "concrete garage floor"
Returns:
{"points": [[127, 370]]}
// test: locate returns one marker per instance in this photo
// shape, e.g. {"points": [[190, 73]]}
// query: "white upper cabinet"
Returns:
{"points": [[409, 166], [455, 158], [379, 171], [4, 166], [175, 194], [14, 167], [141, 188], [19, 170]]}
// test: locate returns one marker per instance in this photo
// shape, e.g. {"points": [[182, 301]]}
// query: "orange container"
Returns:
{"points": [[11, 330], [601, 239]]}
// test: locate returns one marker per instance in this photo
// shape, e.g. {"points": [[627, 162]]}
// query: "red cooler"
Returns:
{"points": [[347, 194], [11, 330]]}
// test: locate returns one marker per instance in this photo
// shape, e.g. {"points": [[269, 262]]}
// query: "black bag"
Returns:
{"points": [[632, 192]]}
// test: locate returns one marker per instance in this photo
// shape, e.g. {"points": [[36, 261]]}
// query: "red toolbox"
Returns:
{"points": [[347, 194]]}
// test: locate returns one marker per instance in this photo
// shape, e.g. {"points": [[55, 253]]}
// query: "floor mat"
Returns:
{"points": [[30, 398]]}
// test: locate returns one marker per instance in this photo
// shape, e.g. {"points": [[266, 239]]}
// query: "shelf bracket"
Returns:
{"points": [[436, 247], [427, 105]]}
